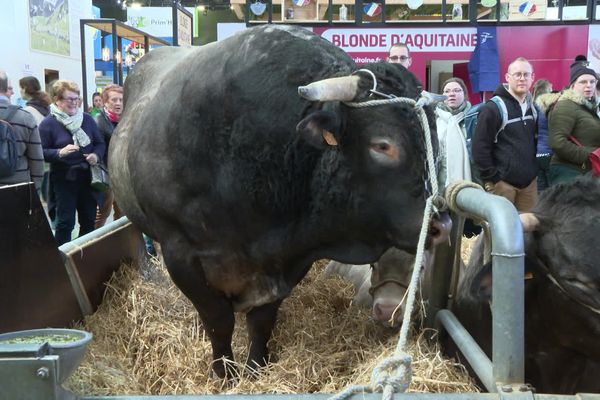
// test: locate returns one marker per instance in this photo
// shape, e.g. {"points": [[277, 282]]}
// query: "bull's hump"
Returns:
{"points": [[301, 33]]}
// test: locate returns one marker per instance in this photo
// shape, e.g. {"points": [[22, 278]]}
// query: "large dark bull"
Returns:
{"points": [[562, 291], [245, 184]]}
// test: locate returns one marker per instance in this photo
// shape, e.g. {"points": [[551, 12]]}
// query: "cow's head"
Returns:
{"points": [[562, 268], [390, 279], [382, 147], [561, 241]]}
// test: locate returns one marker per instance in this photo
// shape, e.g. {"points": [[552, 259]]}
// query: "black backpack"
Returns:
{"points": [[8, 143]]}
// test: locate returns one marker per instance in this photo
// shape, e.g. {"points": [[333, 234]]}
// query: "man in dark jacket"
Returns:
{"points": [[30, 162], [506, 158]]}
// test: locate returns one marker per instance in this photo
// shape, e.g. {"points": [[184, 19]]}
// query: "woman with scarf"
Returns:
{"points": [[454, 158], [573, 124], [71, 143], [107, 120]]}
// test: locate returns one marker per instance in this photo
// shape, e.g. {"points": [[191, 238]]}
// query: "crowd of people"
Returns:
{"points": [[523, 142], [544, 138], [57, 145]]}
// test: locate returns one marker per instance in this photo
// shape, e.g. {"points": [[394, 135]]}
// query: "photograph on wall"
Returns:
{"points": [[49, 26]]}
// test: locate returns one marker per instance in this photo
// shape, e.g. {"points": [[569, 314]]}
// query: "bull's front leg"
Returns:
{"points": [[215, 310], [260, 322]]}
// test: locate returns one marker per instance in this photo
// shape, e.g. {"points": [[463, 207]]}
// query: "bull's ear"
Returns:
{"points": [[317, 129], [481, 287]]}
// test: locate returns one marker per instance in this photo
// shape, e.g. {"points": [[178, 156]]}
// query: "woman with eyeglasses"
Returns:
{"points": [[454, 161], [71, 143], [107, 120], [573, 124]]}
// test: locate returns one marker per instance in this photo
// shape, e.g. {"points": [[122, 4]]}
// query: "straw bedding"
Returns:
{"points": [[148, 339]]}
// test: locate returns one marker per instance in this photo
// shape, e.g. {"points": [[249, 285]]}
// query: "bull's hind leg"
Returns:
{"points": [[216, 312], [260, 322]]}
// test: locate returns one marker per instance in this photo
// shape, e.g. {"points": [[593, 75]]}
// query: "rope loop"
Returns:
{"points": [[452, 191], [394, 371]]}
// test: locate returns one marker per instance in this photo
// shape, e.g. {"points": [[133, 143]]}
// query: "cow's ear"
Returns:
{"points": [[317, 129], [481, 286]]}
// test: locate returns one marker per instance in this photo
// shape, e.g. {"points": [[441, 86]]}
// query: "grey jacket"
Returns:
{"points": [[30, 165]]}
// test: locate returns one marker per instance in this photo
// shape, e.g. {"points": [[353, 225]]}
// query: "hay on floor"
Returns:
{"points": [[148, 339]]}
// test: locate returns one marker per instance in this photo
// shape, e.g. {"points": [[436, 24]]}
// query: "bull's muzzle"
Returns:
{"points": [[439, 229]]}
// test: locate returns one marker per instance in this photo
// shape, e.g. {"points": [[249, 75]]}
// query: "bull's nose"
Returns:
{"points": [[388, 313], [439, 228]]}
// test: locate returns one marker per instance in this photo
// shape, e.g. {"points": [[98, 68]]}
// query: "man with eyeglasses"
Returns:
{"points": [[400, 54], [505, 156], [30, 161]]}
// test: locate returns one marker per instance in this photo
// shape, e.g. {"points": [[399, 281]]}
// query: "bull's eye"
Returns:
{"points": [[382, 147], [385, 151]]}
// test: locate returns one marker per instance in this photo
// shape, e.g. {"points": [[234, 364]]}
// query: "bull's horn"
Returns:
{"points": [[428, 98], [343, 88]]}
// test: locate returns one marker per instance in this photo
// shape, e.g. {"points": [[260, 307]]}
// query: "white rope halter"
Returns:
{"points": [[394, 374]]}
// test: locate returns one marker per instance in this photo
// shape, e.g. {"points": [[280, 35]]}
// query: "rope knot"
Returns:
{"points": [[439, 203], [452, 191], [394, 371]]}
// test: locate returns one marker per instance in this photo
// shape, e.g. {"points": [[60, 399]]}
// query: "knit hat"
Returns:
{"points": [[578, 69]]}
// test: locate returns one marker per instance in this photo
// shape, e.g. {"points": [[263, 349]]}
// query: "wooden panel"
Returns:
{"points": [[97, 261], [35, 291]]}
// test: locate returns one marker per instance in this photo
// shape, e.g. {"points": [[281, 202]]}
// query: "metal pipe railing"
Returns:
{"points": [[508, 287], [518, 395], [477, 359]]}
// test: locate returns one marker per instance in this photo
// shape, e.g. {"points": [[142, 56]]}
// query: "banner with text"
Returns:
{"points": [[418, 40], [367, 45]]}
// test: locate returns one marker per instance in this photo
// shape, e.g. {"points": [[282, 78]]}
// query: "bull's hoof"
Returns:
{"points": [[225, 369], [254, 368]]}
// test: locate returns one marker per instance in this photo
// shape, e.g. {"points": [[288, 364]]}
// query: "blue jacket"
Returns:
{"points": [[55, 136], [543, 147]]}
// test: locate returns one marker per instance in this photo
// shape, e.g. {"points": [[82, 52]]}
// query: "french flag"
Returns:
{"points": [[372, 9], [528, 8], [301, 3]]}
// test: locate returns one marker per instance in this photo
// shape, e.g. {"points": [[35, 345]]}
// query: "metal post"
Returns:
{"points": [[120, 62], [507, 269], [175, 23], [358, 12], [114, 53], [83, 66], [477, 359]]}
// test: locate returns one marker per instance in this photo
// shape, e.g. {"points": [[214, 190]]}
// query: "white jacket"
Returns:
{"points": [[454, 159]]}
